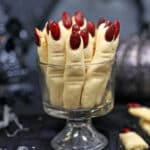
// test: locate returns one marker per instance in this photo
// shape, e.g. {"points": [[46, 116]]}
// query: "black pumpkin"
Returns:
{"points": [[133, 69]]}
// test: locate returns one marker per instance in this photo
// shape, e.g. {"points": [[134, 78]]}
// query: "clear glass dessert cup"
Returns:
{"points": [[79, 134]]}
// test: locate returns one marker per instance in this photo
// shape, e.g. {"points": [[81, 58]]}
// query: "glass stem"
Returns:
{"points": [[79, 123]]}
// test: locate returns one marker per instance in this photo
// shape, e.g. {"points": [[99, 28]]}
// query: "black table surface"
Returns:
{"points": [[42, 128]]}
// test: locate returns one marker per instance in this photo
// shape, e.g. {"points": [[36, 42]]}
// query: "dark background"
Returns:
{"points": [[133, 15]]}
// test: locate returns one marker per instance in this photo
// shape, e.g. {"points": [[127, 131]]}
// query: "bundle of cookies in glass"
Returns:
{"points": [[76, 51]]}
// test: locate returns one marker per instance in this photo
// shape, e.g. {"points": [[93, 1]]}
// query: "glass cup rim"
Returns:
{"points": [[91, 64]]}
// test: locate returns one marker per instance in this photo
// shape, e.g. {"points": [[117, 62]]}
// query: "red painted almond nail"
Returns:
{"points": [[110, 33], [117, 28], [85, 37], [125, 130], [91, 28], [55, 30], [48, 27], [108, 23], [75, 28], [79, 18], [133, 105], [66, 19], [36, 36], [75, 40], [100, 21]]}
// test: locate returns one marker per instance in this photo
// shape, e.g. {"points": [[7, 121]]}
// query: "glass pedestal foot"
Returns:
{"points": [[79, 135]]}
